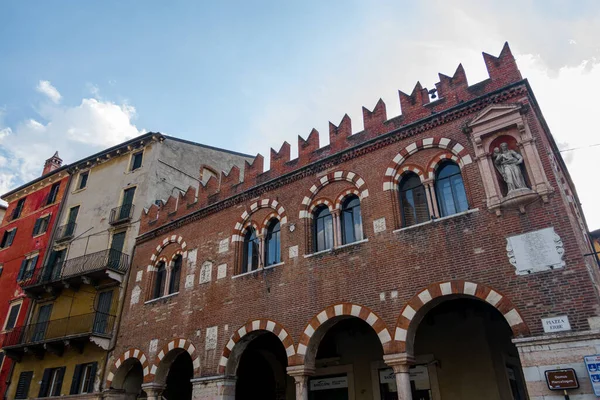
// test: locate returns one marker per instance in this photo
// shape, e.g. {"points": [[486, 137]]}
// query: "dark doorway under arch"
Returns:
{"points": [[261, 373], [179, 385]]}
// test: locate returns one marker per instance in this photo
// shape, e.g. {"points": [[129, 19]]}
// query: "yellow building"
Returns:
{"points": [[64, 348]]}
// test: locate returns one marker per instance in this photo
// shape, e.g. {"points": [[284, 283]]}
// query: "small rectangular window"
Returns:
{"points": [[83, 178], [8, 238], [136, 160], [83, 378], [53, 193], [23, 385], [13, 314], [19, 208], [27, 268], [41, 225]]}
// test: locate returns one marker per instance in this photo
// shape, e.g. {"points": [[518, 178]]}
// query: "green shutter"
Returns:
{"points": [[92, 377], [45, 382], [59, 381], [23, 385], [76, 379], [22, 270], [36, 227]]}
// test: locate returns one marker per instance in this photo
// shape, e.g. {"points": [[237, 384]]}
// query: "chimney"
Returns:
{"points": [[52, 163]]}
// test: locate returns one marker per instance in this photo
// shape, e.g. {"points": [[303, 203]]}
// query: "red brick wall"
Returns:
{"points": [[470, 247]]}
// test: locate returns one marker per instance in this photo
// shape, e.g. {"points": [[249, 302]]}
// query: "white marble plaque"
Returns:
{"points": [[221, 271], [556, 324], [379, 225], [293, 252], [224, 245], [139, 275], [535, 251], [153, 346], [211, 338], [191, 259], [206, 272], [135, 295], [189, 281]]}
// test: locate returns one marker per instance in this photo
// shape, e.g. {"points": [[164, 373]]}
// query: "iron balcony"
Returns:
{"points": [[54, 335], [121, 214]]}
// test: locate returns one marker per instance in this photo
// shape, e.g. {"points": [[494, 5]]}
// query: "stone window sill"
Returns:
{"points": [[256, 271], [336, 248], [433, 221], [161, 298]]}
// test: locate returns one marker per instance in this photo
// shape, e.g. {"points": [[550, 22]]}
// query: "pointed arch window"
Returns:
{"points": [[323, 229], [351, 220], [159, 280], [450, 189], [175, 275], [273, 243], [251, 251], [413, 200]]}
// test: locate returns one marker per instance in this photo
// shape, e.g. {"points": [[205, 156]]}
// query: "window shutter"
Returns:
{"points": [[12, 316], [59, 380], [36, 227], [45, 382], [32, 264], [11, 237], [22, 270], [76, 379], [90, 388], [23, 385]]}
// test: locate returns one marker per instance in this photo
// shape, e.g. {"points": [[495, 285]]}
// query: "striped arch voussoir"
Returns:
{"points": [[178, 344], [393, 168], [437, 160], [342, 196], [257, 205], [316, 203], [343, 309], [167, 241], [131, 353], [459, 287], [325, 180], [258, 325]]}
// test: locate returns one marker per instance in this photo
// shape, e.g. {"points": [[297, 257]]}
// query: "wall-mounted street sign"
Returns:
{"points": [[562, 379], [556, 324], [592, 364]]}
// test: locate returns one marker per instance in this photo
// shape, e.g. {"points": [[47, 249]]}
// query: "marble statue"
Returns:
{"points": [[508, 163]]}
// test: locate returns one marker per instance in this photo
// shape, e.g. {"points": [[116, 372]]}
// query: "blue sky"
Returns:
{"points": [[79, 76]]}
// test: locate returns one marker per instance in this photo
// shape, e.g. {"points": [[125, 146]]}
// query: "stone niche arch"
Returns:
{"points": [[417, 307], [319, 325], [238, 342]]}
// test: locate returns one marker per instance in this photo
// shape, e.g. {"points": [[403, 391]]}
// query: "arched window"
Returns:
{"points": [[175, 275], [273, 244], [323, 226], [450, 190], [413, 200], [250, 261], [351, 220], [159, 280]]}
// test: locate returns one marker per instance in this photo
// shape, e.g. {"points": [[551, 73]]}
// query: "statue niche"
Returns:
{"points": [[509, 163]]}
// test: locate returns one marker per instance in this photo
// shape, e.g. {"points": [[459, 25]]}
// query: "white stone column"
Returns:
{"points": [[301, 374], [337, 228], [401, 363], [153, 390], [431, 198]]}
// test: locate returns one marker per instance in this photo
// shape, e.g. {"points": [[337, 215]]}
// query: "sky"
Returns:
{"points": [[78, 77]]}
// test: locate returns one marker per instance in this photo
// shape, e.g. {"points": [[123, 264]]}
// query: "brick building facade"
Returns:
{"points": [[25, 233], [396, 262]]}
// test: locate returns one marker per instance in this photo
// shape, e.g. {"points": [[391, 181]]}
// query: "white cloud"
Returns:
{"points": [[75, 131], [45, 87]]}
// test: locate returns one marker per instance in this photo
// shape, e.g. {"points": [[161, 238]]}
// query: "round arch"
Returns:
{"points": [[438, 160], [349, 176], [418, 306], [238, 235], [240, 339], [316, 329], [167, 356], [132, 353], [457, 149], [167, 241]]}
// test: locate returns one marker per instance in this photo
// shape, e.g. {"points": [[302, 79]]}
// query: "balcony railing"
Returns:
{"points": [[65, 232], [121, 214], [96, 323], [84, 265]]}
